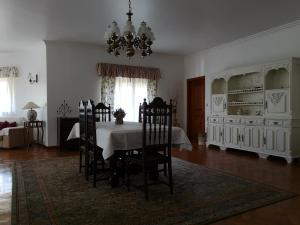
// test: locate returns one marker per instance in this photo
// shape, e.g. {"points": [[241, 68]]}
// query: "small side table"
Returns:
{"points": [[64, 127], [30, 126]]}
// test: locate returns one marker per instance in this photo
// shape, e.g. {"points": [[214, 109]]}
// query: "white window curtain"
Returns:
{"points": [[128, 94], [7, 96]]}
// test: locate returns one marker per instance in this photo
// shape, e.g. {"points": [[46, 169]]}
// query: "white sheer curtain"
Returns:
{"points": [[128, 94], [7, 96]]}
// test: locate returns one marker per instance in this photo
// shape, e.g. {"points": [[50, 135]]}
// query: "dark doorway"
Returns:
{"points": [[195, 108]]}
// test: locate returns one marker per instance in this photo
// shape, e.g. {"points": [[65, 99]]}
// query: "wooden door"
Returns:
{"points": [[195, 108]]}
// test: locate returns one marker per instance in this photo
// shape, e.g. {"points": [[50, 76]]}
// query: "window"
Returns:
{"points": [[7, 98], [128, 94]]}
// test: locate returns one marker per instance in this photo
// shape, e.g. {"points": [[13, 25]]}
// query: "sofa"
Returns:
{"points": [[12, 137]]}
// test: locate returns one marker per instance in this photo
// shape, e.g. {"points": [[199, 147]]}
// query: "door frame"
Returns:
{"points": [[188, 101]]}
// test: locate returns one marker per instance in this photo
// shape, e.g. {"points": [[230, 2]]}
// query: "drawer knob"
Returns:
{"points": [[275, 123], [250, 121]]}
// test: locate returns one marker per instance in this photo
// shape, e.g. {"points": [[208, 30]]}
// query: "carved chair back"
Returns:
{"points": [[102, 113]]}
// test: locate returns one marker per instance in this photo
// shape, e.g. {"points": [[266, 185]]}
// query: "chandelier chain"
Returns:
{"points": [[129, 4]]}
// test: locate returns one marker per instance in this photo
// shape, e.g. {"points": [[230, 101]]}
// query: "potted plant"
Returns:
{"points": [[119, 114]]}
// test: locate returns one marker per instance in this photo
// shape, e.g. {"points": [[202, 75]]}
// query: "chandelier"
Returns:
{"points": [[129, 41]]}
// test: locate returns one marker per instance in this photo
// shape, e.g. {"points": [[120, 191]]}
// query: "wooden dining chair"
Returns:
{"points": [[156, 149], [102, 112], [141, 112], [82, 137], [95, 156]]}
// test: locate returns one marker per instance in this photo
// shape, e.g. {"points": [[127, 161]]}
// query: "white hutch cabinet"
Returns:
{"points": [[256, 109]]}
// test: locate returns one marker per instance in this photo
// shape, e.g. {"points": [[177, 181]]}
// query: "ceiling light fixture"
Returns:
{"points": [[129, 41]]}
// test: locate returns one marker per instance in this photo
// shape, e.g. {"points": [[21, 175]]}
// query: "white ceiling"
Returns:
{"points": [[180, 26]]}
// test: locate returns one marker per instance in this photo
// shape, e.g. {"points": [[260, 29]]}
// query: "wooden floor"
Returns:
{"points": [[274, 171]]}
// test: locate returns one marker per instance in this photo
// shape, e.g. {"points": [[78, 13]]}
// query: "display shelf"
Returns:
{"points": [[246, 91], [219, 86], [245, 103], [259, 110], [248, 81], [277, 79]]}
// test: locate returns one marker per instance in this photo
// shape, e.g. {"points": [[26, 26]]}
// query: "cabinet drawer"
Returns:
{"points": [[216, 119], [277, 123], [232, 120], [250, 122]]}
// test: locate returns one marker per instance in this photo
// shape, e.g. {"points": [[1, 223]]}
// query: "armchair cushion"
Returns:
{"points": [[6, 124], [3, 125], [12, 133]]}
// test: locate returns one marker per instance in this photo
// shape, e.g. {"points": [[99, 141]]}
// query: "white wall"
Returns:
{"points": [[31, 60], [71, 75], [277, 43]]}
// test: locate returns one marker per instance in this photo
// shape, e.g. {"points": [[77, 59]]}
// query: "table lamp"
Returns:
{"points": [[31, 114]]}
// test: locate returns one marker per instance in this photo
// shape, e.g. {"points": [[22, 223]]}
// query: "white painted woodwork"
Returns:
{"points": [[277, 101], [218, 104], [216, 133], [231, 136], [259, 114], [277, 139]]}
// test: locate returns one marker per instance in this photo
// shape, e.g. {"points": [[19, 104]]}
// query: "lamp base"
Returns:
{"points": [[31, 115]]}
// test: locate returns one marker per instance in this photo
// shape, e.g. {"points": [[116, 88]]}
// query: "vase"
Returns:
{"points": [[119, 120]]}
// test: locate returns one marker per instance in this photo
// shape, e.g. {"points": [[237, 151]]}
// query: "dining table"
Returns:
{"points": [[113, 137]]}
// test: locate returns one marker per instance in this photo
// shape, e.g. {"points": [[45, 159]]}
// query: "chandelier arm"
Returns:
{"points": [[129, 40]]}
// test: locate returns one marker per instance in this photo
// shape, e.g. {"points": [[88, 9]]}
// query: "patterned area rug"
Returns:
{"points": [[52, 192]]}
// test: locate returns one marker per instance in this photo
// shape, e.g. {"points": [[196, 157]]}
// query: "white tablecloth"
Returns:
{"points": [[126, 137]]}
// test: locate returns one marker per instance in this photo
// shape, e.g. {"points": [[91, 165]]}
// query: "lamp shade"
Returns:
{"points": [[31, 105]]}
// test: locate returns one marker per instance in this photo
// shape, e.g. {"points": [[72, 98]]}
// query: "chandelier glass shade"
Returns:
{"points": [[129, 41]]}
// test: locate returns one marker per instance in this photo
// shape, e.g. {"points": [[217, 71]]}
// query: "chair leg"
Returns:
{"points": [[165, 169], [80, 161], [103, 164], [146, 185], [170, 177], [87, 166], [94, 171], [127, 172], [165, 164]]}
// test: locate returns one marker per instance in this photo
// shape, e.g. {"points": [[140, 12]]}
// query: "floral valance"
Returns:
{"points": [[8, 72], [115, 70]]}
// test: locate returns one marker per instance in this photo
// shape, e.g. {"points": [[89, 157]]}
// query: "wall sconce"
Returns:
{"points": [[32, 80]]}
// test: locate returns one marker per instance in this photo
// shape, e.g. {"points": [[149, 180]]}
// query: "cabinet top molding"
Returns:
{"points": [[254, 68]]}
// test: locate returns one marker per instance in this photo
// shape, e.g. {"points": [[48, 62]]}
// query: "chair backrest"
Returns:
{"points": [[91, 124], [157, 124], [82, 120], [141, 112], [102, 112]]}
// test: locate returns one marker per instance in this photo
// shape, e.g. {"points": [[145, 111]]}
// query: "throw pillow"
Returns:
{"points": [[4, 125], [13, 124], [1, 125]]}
